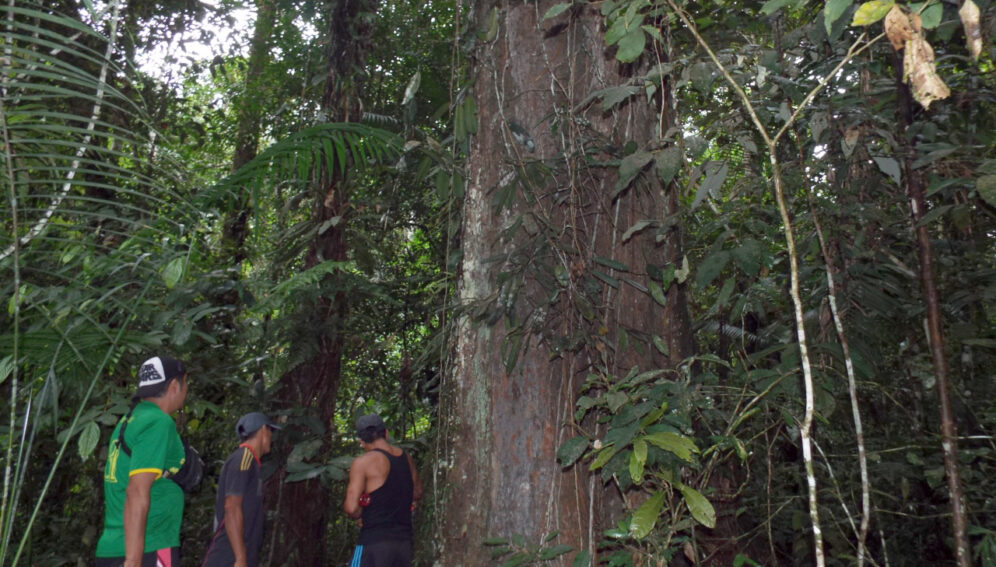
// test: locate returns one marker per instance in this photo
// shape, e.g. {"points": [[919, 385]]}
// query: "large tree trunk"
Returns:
{"points": [[304, 507], [527, 278]]}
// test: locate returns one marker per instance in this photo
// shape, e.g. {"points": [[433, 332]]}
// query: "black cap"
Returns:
{"points": [[251, 422], [369, 423], [155, 374]]}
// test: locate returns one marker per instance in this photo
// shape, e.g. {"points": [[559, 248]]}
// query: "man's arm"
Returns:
{"points": [[357, 485], [136, 511], [416, 483], [233, 527]]}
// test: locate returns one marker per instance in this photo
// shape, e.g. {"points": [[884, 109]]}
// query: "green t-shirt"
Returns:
{"points": [[155, 447]]}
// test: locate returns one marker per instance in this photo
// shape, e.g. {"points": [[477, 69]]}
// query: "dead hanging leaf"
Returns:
{"points": [[850, 140], [689, 550], [919, 70], [899, 27], [969, 14], [905, 31]]}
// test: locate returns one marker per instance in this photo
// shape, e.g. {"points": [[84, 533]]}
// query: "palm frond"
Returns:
{"points": [[296, 160], [92, 220]]}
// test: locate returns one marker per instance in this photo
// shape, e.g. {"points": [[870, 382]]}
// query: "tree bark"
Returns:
{"points": [[935, 333], [527, 278]]}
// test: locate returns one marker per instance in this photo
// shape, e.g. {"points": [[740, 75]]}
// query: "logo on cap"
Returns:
{"points": [[151, 373]]}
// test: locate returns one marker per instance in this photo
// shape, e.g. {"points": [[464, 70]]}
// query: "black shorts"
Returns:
{"points": [[169, 557], [383, 554]]}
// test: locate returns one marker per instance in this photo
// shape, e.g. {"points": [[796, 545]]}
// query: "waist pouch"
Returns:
{"points": [[191, 473]]}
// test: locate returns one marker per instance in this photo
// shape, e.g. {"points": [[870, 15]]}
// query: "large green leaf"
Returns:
{"points": [[604, 455], [890, 167], [173, 272], [645, 517], [638, 460], [681, 446], [986, 186], [871, 12], [630, 167], [631, 45], [669, 162], [89, 437], [612, 96], [700, 507]]}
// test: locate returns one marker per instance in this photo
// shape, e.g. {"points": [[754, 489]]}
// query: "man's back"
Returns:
{"points": [[240, 476], [391, 489]]}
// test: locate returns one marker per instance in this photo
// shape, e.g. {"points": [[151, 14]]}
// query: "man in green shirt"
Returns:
{"points": [[142, 507]]}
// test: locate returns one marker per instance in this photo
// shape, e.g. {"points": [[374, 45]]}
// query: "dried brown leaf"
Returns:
{"points": [[689, 550], [969, 14], [919, 70], [898, 27]]}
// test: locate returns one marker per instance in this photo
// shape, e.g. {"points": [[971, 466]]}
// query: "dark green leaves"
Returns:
{"points": [[631, 45], [832, 12], [6, 367], [668, 162], [630, 167], [556, 10], [772, 6], [626, 30], [571, 450], [615, 95], [710, 267]]}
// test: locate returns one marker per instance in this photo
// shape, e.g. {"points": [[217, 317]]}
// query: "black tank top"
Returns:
{"points": [[389, 514]]}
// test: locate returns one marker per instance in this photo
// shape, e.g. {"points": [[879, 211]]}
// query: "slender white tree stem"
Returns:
{"points": [[852, 389], [771, 143]]}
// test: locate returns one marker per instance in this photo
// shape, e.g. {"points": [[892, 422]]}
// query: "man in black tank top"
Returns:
{"points": [[382, 492]]}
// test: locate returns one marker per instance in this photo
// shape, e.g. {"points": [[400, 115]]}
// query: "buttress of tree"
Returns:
{"points": [[969, 14], [905, 32]]}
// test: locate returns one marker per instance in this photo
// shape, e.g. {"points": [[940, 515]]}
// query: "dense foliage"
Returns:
{"points": [[118, 242]]}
